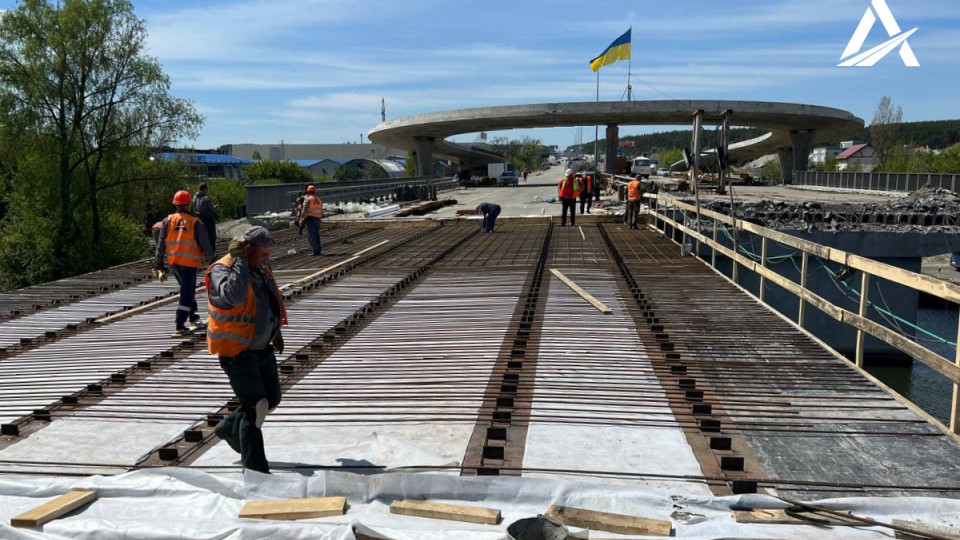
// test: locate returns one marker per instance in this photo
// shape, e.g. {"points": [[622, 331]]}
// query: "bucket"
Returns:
{"points": [[537, 528]]}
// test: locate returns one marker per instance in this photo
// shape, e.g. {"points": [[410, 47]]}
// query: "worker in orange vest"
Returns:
{"points": [[184, 241], [310, 215], [634, 199], [246, 312], [568, 189], [586, 194]]}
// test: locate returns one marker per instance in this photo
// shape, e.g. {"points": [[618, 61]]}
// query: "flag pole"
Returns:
{"points": [[629, 67], [596, 130]]}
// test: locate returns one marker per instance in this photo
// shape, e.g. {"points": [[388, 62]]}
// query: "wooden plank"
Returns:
{"points": [[50, 510], [449, 512], [290, 509], [605, 521], [586, 296], [780, 517]]}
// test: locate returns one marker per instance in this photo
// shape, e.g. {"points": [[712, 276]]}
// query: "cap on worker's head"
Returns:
{"points": [[258, 236], [182, 198], [568, 173], [203, 186], [311, 189]]}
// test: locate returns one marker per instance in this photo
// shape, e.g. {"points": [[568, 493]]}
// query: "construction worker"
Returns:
{"points": [[634, 198], [204, 209], [586, 194], [310, 215], [184, 241], [246, 312], [568, 189]]}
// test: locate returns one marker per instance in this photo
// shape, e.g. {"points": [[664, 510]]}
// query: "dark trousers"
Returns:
{"points": [[630, 217], [569, 205], [211, 225], [253, 377], [586, 201], [313, 235], [187, 278], [490, 219]]}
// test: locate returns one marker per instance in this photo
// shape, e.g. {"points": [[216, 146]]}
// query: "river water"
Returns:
{"points": [[924, 386]]}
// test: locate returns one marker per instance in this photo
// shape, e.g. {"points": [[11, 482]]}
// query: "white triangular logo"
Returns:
{"points": [[853, 57]]}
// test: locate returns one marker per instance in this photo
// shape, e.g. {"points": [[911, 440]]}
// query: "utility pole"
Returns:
{"points": [[383, 110]]}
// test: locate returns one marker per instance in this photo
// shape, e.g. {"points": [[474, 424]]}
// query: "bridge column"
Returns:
{"points": [[786, 165], [802, 142], [423, 148], [613, 142]]}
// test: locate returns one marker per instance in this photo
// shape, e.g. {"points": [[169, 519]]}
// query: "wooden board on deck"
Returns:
{"points": [[289, 509], [579, 290], [50, 510], [450, 512], [780, 517], [604, 521]]}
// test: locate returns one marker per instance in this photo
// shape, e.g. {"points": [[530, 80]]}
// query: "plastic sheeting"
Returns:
{"points": [[193, 505]]}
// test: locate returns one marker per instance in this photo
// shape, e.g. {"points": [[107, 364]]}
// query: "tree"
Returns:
{"points": [[885, 129], [772, 171], [284, 172], [80, 105], [256, 155], [829, 164], [670, 156]]}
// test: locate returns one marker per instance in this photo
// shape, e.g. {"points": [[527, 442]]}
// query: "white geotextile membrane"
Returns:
{"points": [[589, 380], [194, 505]]}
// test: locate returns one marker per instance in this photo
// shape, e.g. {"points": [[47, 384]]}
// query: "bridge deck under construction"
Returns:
{"points": [[434, 348]]}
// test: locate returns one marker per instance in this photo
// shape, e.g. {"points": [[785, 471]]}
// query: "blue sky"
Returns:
{"points": [[315, 70]]}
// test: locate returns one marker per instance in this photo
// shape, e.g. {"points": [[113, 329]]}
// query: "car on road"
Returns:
{"points": [[663, 172], [508, 178]]}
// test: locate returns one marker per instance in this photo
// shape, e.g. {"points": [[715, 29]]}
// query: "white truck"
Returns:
{"points": [[641, 166], [494, 170]]}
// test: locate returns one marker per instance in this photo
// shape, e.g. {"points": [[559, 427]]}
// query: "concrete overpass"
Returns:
{"points": [[794, 128]]}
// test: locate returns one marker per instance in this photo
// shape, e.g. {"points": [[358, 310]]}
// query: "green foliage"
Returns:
{"points": [[829, 164], [284, 172], [80, 104], [524, 154], [656, 142], [772, 171], [410, 167], [670, 156], [948, 161]]}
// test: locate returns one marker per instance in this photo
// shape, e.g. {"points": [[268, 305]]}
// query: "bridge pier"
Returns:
{"points": [[613, 142], [423, 150], [802, 142], [786, 164]]}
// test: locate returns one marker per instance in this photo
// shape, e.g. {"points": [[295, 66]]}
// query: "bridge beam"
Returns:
{"points": [[613, 142], [786, 164], [423, 148]]}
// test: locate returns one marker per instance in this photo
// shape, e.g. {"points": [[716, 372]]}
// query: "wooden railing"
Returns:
{"points": [[668, 207]]}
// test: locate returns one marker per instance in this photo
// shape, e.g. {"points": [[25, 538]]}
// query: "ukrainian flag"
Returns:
{"points": [[618, 50]]}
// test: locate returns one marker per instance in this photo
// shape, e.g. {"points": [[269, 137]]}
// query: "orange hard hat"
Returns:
{"points": [[311, 189], [182, 198]]}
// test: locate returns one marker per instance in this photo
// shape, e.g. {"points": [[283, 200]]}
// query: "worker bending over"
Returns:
{"points": [[310, 215], [246, 313], [184, 241], [568, 189], [489, 211]]}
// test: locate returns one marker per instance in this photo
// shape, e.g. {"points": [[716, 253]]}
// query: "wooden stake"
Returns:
{"points": [[577, 289], [290, 509], [50, 510], [449, 512], [603, 521]]}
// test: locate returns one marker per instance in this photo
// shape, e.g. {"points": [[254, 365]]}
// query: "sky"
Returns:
{"points": [[314, 71]]}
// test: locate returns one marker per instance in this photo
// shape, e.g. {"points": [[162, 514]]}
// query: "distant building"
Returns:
{"points": [[819, 156], [210, 165], [322, 167], [312, 151], [862, 153]]}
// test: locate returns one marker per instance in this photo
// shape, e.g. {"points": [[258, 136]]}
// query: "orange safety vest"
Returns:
{"points": [[314, 206], [229, 331], [589, 183], [634, 192], [568, 191], [181, 240]]}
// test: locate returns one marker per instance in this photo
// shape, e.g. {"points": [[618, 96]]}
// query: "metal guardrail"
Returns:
{"points": [[670, 212], [906, 182], [281, 197]]}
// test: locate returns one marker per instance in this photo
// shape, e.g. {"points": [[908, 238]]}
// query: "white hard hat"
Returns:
{"points": [[569, 172]]}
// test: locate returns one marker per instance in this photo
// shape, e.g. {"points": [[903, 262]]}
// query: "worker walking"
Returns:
{"points": [[634, 199], [586, 194], [184, 241], [204, 209], [246, 312], [310, 215], [568, 189]]}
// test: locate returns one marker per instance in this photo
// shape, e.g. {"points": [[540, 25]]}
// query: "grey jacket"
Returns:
{"points": [[228, 289], [203, 206]]}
